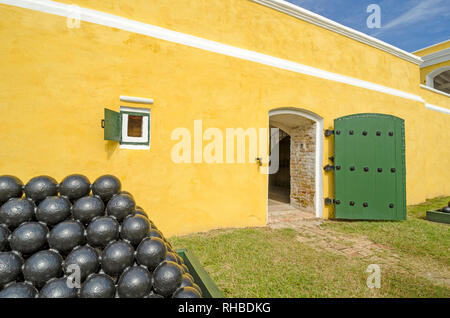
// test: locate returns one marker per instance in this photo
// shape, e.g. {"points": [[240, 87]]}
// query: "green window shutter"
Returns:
{"points": [[112, 125]]}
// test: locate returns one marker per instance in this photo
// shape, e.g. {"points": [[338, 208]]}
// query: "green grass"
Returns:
{"points": [[262, 262], [415, 236]]}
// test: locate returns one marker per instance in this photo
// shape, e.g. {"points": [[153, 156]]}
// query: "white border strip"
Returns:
{"points": [[434, 90], [438, 109], [137, 100], [117, 22], [306, 15], [430, 46], [436, 58]]}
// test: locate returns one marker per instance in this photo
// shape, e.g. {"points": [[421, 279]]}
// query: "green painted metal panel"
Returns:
{"points": [[370, 175], [201, 277], [112, 125], [438, 216]]}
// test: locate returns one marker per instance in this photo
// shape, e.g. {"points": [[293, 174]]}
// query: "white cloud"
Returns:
{"points": [[424, 10]]}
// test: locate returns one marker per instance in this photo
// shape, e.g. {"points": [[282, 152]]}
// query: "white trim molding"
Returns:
{"points": [[136, 100], [434, 90], [306, 15], [438, 109], [113, 21], [319, 200], [430, 46], [436, 58], [106, 19]]}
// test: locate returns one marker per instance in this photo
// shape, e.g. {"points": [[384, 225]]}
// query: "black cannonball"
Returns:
{"points": [[101, 231], [88, 208], [141, 213], [198, 288], [43, 266], [66, 235], [116, 257], [169, 247], [153, 295], [98, 286], [446, 209], [29, 238], [179, 259], [41, 187], [10, 187], [167, 278], [126, 193], [58, 288], [19, 290], [134, 229], [4, 235], [16, 211], [106, 186], [151, 252], [120, 206], [139, 208], [135, 282], [186, 281], [10, 267], [171, 257], [185, 268], [186, 292], [156, 233], [75, 186], [53, 210], [85, 258], [189, 276]]}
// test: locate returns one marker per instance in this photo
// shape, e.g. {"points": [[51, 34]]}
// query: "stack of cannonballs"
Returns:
{"points": [[446, 209], [60, 241]]}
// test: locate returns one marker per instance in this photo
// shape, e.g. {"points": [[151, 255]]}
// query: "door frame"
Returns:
{"points": [[318, 198]]}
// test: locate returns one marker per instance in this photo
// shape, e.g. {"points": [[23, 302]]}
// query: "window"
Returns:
{"points": [[441, 82], [135, 127], [439, 79], [130, 127]]}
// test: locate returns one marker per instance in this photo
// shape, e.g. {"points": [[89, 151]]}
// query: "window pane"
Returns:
{"points": [[134, 126]]}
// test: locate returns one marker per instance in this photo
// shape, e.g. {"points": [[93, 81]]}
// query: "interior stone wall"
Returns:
{"points": [[303, 146]]}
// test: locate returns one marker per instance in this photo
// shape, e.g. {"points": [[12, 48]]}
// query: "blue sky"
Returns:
{"points": [[407, 24]]}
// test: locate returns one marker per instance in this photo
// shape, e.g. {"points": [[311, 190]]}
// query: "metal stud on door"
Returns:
{"points": [[370, 154]]}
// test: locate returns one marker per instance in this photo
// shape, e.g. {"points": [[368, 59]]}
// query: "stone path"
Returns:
{"points": [[282, 215], [310, 232]]}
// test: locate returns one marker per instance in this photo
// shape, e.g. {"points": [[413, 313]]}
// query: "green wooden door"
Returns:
{"points": [[370, 167], [112, 125]]}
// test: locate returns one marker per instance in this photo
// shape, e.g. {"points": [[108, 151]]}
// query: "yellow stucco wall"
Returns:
{"points": [[57, 81], [426, 70], [251, 26]]}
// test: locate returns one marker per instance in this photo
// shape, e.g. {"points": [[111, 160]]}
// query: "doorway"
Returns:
{"points": [[298, 182]]}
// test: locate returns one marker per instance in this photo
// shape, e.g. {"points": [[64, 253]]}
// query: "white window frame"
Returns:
{"points": [[434, 73], [138, 142]]}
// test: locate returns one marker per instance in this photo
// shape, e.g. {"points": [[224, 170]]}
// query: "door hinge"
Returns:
{"points": [[328, 168], [329, 132]]}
